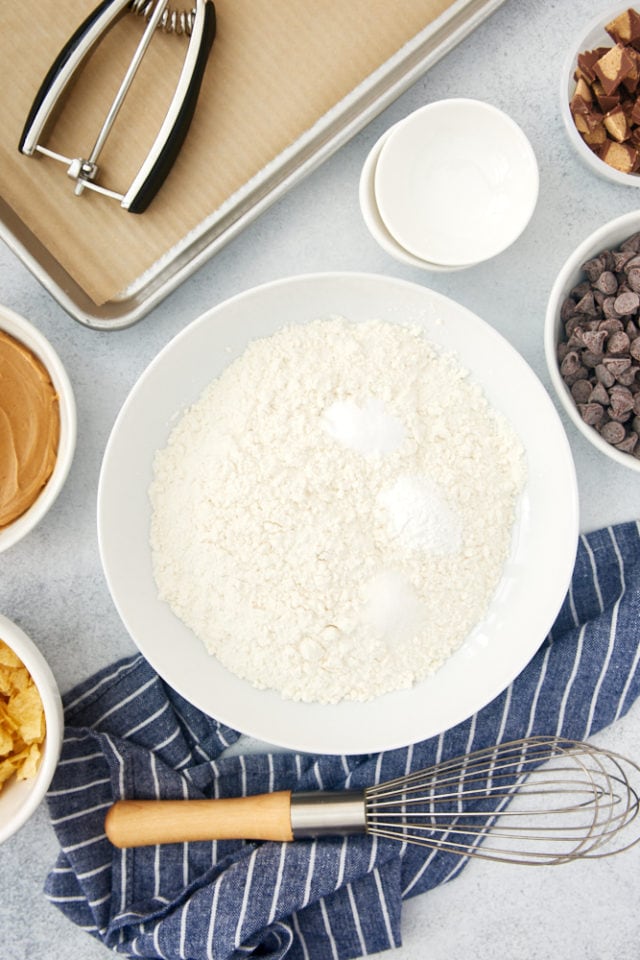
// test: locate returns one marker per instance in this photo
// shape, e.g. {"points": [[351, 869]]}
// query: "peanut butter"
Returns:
{"points": [[29, 428]]}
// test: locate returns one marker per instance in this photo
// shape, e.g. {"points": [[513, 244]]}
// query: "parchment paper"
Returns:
{"points": [[276, 68]]}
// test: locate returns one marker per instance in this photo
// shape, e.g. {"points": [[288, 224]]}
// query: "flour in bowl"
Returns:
{"points": [[333, 515]]}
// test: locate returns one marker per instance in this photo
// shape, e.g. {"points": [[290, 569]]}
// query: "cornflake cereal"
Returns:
{"points": [[22, 723]]}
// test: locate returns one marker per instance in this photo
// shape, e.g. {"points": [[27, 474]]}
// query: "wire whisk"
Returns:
{"points": [[538, 800], [533, 801]]}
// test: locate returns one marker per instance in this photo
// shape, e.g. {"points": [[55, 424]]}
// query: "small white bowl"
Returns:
{"points": [[20, 798], [607, 237], [594, 36], [456, 182], [373, 220], [19, 328]]}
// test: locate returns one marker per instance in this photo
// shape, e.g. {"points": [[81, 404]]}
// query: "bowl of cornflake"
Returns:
{"points": [[31, 727], [343, 529], [600, 96]]}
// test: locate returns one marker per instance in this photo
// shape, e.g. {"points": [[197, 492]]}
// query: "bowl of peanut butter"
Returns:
{"points": [[37, 427]]}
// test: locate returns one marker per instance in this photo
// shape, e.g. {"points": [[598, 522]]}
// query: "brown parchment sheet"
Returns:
{"points": [[276, 68]]}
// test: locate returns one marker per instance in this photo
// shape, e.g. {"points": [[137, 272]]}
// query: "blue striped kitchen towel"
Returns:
{"points": [[129, 735]]}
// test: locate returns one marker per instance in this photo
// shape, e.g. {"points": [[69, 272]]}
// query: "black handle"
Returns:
{"points": [[167, 155], [60, 62]]}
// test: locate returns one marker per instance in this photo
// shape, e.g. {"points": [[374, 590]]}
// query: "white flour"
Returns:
{"points": [[333, 515]]}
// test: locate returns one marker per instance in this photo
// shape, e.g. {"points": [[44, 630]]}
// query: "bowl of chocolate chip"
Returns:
{"points": [[600, 96], [592, 338], [37, 426]]}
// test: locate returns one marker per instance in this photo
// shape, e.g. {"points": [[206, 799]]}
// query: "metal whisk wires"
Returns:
{"points": [[533, 801]]}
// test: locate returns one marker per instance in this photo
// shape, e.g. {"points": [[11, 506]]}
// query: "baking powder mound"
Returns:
{"points": [[333, 515]]}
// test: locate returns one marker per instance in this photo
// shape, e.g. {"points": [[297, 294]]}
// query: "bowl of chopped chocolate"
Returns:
{"points": [[592, 338], [600, 96], [38, 426]]}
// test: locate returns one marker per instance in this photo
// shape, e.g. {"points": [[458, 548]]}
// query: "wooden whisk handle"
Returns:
{"points": [[139, 823]]}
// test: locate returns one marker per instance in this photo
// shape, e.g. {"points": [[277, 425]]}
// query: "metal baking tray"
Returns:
{"points": [[334, 129]]}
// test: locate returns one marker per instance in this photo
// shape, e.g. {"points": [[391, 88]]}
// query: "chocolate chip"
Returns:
{"points": [[621, 402], [594, 340], [571, 364], [606, 282], [633, 279], [629, 443], [616, 365], [599, 394], [604, 376], [628, 377], [594, 268], [618, 344], [581, 391], [621, 259], [573, 323], [613, 432], [626, 303], [611, 325], [608, 307], [591, 413], [590, 359], [588, 306]]}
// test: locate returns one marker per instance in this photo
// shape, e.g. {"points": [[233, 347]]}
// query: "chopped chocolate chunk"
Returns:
{"points": [[587, 61], [615, 123], [620, 156], [625, 28], [613, 67], [605, 101]]}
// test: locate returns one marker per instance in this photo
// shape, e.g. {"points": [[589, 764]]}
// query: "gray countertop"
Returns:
{"points": [[52, 583]]}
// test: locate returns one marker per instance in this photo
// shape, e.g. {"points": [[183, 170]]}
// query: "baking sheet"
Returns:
{"points": [[288, 83]]}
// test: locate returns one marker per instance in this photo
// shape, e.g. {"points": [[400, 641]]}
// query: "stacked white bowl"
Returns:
{"points": [[453, 184]]}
